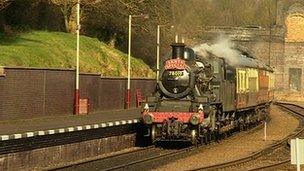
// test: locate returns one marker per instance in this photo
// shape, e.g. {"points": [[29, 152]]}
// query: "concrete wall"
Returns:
{"points": [[28, 93]]}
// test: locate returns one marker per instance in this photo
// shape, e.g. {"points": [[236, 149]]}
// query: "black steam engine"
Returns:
{"points": [[200, 97]]}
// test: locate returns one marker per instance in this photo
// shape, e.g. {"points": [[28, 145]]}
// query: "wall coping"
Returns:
{"points": [[3, 68], [2, 73]]}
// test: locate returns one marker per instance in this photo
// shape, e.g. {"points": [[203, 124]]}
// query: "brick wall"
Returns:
{"points": [[28, 93], [293, 58], [295, 25], [269, 49]]}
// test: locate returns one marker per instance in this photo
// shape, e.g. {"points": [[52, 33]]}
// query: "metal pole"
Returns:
{"points": [[128, 101], [298, 155], [77, 92], [265, 130], [157, 53], [269, 43]]}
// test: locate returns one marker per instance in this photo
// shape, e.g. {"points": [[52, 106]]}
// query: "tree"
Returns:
{"points": [[4, 4], [67, 8]]}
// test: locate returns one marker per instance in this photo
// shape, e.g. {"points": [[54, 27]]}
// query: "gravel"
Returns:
{"points": [[240, 145]]}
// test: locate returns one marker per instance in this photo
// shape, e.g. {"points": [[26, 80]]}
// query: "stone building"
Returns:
{"points": [[281, 46]]}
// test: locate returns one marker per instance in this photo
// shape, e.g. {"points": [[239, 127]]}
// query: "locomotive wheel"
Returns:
{"points": [[204, 138], [153, 133], [217, 136], [206, 141], [241, 127], [194, 137]]}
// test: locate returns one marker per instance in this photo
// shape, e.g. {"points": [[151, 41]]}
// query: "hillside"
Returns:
{"points": [[58, 50]]}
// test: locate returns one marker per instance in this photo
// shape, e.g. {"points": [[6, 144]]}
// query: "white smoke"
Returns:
{"points": [[222, 47]]}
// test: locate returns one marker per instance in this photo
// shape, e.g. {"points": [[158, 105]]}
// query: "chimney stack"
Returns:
{"points": [[178, 50]]}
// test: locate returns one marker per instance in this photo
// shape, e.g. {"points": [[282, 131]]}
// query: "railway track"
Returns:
{"points": [[151, 157], [146, 158], [133, 160], [271, 158]]}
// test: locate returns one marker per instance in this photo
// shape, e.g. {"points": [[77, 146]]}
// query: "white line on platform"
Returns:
{"points": [[4, 137], [70, 129], [61, 130], [79, 128], [17, 136], [51, 131], [29, 134], [41, 133]]}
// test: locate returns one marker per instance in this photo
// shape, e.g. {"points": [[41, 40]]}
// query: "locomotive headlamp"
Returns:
{"points": [[195, 119], [200, 108], [148, 118], [146, 107]]}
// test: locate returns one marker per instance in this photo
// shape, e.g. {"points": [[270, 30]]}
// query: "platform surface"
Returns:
{"points": [[57, 122]]}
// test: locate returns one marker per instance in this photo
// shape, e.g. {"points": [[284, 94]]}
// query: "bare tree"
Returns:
{"points": [[67, 6], [4, 4]]}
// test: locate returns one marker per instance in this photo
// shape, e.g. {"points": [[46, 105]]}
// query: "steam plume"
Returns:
{"points": [[222, 47]]}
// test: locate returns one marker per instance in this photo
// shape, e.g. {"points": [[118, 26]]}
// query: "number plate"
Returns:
{"points": [[176, 73]]}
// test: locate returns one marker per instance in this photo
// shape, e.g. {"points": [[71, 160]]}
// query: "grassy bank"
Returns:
{"points": [[58, 50]]}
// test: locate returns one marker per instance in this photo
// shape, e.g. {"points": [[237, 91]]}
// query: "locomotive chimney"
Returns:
{"points": [[178, 50]]}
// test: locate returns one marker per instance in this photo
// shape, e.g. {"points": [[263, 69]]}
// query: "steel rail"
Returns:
{"points": [[151, 159], [164, 156], [140, 150], [256, 155], [271, 166]]}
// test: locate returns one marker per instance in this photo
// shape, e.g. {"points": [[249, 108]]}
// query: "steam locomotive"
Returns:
{"points": [[199, 97]]}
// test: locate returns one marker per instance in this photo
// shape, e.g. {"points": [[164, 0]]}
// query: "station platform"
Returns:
{"points": [[26, 128]]}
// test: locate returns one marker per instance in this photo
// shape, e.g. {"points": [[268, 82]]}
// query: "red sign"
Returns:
{"points": [[83, 106], [178, 64]]}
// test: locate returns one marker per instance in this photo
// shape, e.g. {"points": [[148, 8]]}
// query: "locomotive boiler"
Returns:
{"points": [[201, 97]]}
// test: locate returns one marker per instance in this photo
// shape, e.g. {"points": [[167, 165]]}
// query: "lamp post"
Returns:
{"points": [[128, 101], [157, 53], [158, 50], [144, 16], [77, 92]]}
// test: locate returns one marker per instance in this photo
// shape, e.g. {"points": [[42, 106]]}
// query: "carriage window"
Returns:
{"points": [[295, 78], [238, 82], [253, 80], [243, 81], [229, 75]]}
